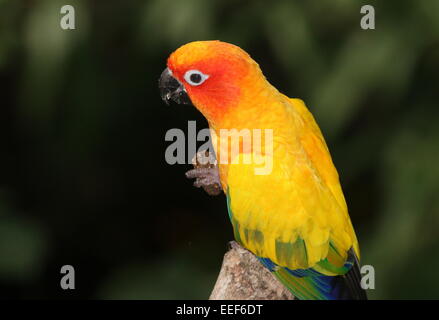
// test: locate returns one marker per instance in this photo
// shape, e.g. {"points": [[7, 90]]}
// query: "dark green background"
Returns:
{"points": [[83, 179]]}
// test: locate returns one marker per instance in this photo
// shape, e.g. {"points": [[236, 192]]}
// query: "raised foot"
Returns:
{"points": [[205, 173]]}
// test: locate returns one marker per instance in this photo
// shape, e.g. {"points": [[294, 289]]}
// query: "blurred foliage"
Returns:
{"points": [[83, 180]]}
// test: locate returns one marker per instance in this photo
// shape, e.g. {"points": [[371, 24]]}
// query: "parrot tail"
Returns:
{"points": [[308, 284]]}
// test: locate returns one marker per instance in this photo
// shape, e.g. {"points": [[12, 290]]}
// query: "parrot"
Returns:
{"points": [[292, 217]]}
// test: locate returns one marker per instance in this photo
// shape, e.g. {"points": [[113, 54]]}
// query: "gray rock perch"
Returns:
{"points": [[243, 277]]}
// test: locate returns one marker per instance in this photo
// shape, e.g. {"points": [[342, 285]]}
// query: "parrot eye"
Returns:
{"points": [[195, 77]]}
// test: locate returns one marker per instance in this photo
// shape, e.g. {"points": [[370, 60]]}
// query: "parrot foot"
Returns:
{"points": [[205, 173], [206, 178]]}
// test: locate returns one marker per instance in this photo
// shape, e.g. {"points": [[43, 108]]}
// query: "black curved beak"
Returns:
{"points": [[172, 89]]}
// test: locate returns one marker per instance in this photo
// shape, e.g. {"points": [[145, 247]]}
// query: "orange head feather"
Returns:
{"points": [[218, 76]]}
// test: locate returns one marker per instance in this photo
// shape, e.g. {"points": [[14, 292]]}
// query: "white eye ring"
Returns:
{"points": [[195, 77]]}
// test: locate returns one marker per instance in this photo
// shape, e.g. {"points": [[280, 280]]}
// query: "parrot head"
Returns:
{"points": [[216, 77]]}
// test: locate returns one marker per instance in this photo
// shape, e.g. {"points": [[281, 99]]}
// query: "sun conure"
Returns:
{"points": [[292, 216]]}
